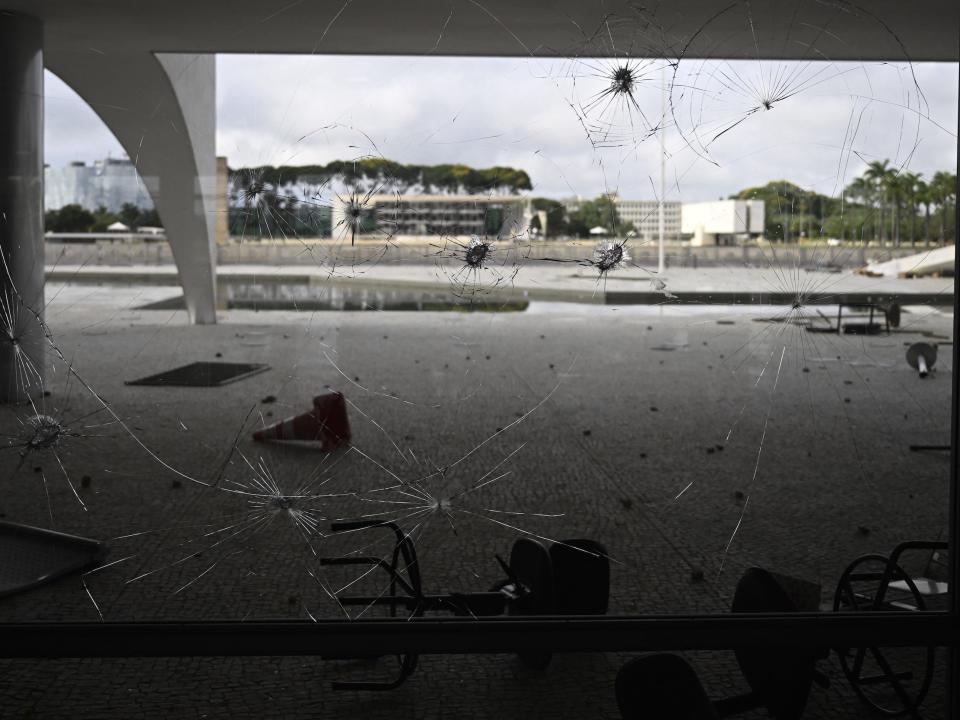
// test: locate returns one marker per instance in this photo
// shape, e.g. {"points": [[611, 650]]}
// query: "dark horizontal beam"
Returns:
{"points": [[345, 638], [856, 31]]}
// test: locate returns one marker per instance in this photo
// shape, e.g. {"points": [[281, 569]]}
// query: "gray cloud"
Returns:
{"points": [[509, 111]]}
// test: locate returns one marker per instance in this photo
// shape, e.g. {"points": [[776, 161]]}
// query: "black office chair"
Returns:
{"points": [[571, 578], [779, 677], [662, 687], [581, 577]]}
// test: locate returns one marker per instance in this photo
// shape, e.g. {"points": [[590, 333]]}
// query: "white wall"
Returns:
{"points": [[723, 217], [757, 216]]}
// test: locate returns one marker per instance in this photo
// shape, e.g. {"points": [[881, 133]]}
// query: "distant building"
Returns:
{"points": [[493, 216], [722, 222], [644, 215], [572, 204], [108, 183]]}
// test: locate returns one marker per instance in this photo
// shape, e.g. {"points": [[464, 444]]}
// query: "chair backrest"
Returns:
{"points": [[581, 577], [780, 677], [661, 687], [532, 567]]}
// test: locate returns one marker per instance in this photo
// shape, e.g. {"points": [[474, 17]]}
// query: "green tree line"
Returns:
{"points": [[372, 171], [882, 205], [600, 212], [75, 218]]}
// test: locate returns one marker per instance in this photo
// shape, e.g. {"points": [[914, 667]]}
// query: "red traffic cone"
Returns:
{"points": [[326, 423]]}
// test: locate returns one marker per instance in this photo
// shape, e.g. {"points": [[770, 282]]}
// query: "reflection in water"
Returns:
{"points": [[303, 297], [277, 296]]}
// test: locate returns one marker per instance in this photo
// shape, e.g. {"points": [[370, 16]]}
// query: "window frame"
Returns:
{"points": [[510, 634]]}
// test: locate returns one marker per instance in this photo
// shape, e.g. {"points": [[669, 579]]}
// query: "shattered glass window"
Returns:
{"points": [[593, 325]]}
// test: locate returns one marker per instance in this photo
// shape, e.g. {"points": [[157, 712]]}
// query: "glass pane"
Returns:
{"points": [[596, 327]]}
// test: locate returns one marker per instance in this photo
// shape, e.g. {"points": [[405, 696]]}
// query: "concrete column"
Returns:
{"points": [[162, 110], [190, 214], [22, 341]]}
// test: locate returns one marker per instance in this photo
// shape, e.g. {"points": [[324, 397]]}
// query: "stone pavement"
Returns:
{"points": [[656, 430]]}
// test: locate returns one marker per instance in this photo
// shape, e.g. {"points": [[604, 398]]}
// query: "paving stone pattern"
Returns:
{"points": [[642, 403]]}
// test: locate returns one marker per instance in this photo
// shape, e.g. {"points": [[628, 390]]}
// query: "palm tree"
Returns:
{"points": [[895, 190], [944, 188], [909, 183], [878, 173], [926, 198], [863, 190]]}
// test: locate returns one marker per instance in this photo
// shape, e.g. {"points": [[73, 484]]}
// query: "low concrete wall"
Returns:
{"points": [[419, 250]]}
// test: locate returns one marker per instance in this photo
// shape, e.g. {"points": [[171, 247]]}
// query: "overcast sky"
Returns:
{"points": [[524, 113]]}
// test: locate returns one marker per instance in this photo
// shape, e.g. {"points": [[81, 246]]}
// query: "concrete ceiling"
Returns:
{"points": [[922, 30]]}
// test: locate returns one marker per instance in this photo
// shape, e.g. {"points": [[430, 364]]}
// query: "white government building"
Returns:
{"points": [[422, 215], [721, 222], [644, 215]]}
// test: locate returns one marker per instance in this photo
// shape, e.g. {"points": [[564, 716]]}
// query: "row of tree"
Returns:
{"points": [[394, 176], [883, 204], [600, 212], [897, 197], [75, 218]]}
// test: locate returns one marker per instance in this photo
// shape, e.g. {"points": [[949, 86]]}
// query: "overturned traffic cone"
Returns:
{"points": [[327, 423], [922, 357]]}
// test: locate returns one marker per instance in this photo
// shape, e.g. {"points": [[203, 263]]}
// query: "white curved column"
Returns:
{"points": [[161, 108]]}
